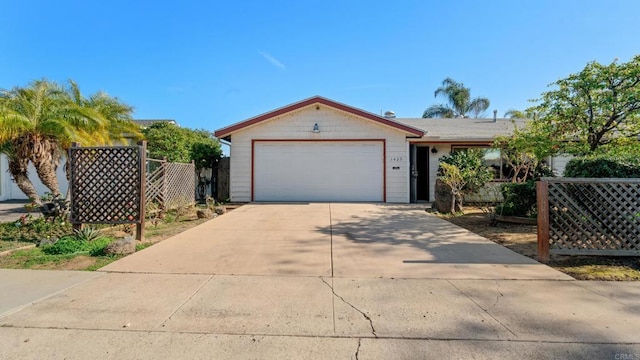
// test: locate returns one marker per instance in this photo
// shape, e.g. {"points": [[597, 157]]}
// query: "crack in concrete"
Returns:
{"points": [[358, 349], [162, 324], [483, 309], [373, 329], [500, 294]]}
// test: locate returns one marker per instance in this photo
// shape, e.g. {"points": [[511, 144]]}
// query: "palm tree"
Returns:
{"points": [[459, 101], [39, 122], [116, 120], [31, 119], [517, 114], [115, 115]]}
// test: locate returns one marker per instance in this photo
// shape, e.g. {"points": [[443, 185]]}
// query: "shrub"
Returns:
{"points": [[603, 166], [33, 230], [96, 247], [66, 245], [73, 244], [473, 172], [462, 172], [519, 199]]}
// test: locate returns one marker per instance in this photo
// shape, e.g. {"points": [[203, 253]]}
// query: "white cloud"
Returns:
{"points": [[275, 62]]}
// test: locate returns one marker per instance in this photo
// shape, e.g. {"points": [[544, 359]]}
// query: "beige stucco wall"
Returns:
{"points": [[334, 124]]}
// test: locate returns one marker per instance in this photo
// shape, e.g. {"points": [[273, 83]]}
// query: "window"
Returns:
{"points": [[492, 159]]}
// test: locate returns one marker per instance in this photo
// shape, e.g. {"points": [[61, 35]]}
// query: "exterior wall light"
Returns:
{"points": [[434, 150], [316, 128]]}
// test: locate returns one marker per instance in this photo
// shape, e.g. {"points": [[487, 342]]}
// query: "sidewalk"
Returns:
{"points": [[321, 281]]}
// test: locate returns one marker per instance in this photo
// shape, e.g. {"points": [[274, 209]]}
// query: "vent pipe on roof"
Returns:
{"points": [[495, 115], [389, 114]]}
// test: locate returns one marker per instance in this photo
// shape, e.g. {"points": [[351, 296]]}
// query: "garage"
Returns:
{"points": [[318, 150], [318, 170]]}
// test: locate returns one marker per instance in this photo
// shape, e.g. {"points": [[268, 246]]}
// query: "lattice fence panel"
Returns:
{"points": [[180, 182], [154, 189], [106, 185], [594, 217], [170, 185]]}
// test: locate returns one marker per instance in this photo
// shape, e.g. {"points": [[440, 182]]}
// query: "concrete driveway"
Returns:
{"points": [[328, 281], [340, 240]]}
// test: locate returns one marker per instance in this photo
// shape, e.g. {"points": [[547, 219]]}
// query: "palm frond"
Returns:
{"points": [[438, 111], [515, 114], [478, 105]]}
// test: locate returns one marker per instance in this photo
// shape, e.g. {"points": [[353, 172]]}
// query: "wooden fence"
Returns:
{"points": [[170, 185], [222, 179], [107, 185], [588, 217]]}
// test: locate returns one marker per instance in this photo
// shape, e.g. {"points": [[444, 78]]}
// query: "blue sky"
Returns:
{"points": [[208, 64]]}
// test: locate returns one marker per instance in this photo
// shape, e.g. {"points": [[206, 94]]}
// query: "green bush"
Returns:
{"points": [[32, 230], [473, 171], [519, 199], [603, 167], [96, 247], [66, 245], [72, 245]]}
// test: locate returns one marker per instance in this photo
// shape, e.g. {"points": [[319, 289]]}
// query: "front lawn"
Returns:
{"points": [[523, 239], [69, 254]]}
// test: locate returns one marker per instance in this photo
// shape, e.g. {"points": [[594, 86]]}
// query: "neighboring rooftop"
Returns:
{"points": [[149, 122], [463, 128]]}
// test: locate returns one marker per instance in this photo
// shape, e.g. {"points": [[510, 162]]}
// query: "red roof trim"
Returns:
{"points": [[220, 133]]}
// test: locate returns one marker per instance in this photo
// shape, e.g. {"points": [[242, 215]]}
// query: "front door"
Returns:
{"points": [[422, 168]]}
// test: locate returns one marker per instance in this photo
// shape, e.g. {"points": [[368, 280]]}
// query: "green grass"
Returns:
{"points": [[102, 261], [142, 246], [12, 244], [27, 259]]}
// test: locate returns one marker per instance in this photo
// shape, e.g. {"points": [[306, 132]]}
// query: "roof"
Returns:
{"points": [[464, 129], [226, 131], [149, 122]]}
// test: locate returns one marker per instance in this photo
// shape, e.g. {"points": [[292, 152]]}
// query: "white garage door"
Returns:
{"points": [[318, 171]]}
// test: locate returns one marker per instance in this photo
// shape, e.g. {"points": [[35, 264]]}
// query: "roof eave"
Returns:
{"points": [[227, 131]]}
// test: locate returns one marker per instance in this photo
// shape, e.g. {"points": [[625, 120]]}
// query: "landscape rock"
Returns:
{"points": [[442, 202], [220, 210], [204, 214], [47, 241], [121, 247]]}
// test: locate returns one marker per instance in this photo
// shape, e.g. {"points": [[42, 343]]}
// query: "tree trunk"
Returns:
{"points": [[45, 162], [18, 169], [47, 174], [453, 203], [458, 203]]}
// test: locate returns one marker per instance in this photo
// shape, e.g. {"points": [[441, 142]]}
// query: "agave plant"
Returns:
{"points": [[87, 234]]}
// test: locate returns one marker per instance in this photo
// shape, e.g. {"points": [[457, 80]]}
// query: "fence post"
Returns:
{"points": [[143, 182], [72, 171], [542, 191], [164, 204]]}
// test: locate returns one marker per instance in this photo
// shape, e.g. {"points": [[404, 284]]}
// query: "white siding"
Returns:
{"points": [[333, 124], [558, 163], [17, 194], [10, 191], [5, 178]]}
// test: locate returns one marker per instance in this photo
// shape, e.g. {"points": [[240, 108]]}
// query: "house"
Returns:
{"points": [[318, 149]]}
